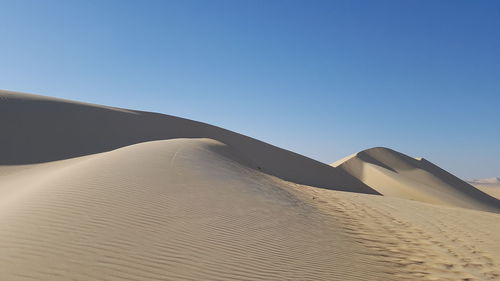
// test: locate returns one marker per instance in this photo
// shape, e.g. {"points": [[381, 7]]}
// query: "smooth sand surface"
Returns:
{"points": [[394, 174], [89, 192]]}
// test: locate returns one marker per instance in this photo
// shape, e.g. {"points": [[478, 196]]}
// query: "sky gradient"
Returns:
{"points": [[321, 78]]}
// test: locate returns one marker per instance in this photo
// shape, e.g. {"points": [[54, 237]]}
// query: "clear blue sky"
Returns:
{"points": [[322, 78]]}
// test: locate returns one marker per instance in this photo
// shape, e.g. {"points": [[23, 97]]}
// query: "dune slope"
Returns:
{"points": [[394, 174], [38, 129], [416, 240], [183, 209]]}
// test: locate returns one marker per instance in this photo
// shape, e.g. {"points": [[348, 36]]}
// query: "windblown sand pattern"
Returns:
{"points": [[90, 192], [418, 241], [165, 210]]}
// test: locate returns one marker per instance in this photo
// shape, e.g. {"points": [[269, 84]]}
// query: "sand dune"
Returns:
{"points": [[490, 186], [394, 174], [492, 181], [182, 209], [90, 192], [38, 129]]}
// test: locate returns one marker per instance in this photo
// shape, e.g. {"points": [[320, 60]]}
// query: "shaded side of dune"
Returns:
{"points": [[38, 129]]}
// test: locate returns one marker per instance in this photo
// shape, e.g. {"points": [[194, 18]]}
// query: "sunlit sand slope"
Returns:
{"points": [[182, 209], [394, 174], [415, 240]]}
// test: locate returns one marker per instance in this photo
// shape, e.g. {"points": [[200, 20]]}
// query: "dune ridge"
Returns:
{"points": [[37, 129], [394, 174]]}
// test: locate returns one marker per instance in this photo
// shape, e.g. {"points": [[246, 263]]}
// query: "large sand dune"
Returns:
{"points": [[166, 210], [89, 192], [38, 129], [394, 174]]}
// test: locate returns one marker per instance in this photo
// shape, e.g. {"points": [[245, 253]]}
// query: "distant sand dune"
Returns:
{"points": [[490, 186], [394, 174], [492, 181]]}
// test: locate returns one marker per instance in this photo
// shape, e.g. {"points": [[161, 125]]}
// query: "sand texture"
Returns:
{"points": [[90, 192]]}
